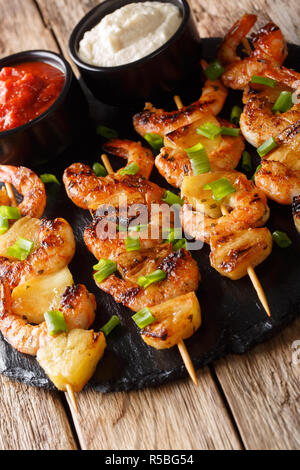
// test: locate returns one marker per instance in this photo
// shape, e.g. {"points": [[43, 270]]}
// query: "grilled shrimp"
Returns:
{"points": [[162, 122], [277, 181], [224, 152], [55, 249], [133, 152], [182, 276], [270, 50], [29, 185], [258, 122], [78, 307], [247, 208]]}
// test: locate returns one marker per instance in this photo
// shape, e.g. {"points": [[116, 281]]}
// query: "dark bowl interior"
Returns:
{"points": [[163, 72], [47, 136]]}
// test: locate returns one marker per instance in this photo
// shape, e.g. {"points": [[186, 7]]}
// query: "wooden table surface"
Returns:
{"points": [[242, 402]]}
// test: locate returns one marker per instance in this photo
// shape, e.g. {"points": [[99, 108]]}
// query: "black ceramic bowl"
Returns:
{"points": [[47, 136], [165, 71]]}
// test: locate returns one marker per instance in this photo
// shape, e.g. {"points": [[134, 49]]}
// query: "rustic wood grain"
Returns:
{"points": [[262, 388], [174, 416], [32, 419]]}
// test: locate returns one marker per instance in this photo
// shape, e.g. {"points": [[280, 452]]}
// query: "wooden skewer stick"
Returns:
{"points": [[181, 346], [14, 203], [253, 277]]}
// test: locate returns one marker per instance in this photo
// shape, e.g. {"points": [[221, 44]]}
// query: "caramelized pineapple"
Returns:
{"points": [[200, 199], [38, 295], [26, 227], [71, 358], [175, 319], [232, 254]]}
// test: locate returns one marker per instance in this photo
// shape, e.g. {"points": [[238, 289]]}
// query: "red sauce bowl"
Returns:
{"points": [[45, 129]]}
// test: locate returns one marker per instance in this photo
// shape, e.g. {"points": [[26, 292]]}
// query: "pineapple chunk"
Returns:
{"points": [[175, 319], [26, 227], [40, 294], [232, 254], [201, 199], [71, 358]]}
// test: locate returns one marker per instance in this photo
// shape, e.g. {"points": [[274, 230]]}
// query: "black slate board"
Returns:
{"points": [[233, 319]]}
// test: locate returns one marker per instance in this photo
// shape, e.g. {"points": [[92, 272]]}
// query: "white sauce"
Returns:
{"points": [[129, 33]]}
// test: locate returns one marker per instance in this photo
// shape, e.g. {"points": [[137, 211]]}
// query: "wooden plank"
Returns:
{"points": [[262, 389], [22, 28], [214, 18], [174, 416], [32, 419]]}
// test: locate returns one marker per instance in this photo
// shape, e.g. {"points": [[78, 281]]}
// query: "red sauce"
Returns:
{"points": [[26, 91]]}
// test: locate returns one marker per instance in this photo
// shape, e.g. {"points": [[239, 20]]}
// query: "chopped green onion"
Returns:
{"points": [[199, 159], [263, 81], [4, 226], [246, 161], [143, 318], [104, 268], [21, 249], [56, 322], [130, 169], [156, 276], [110, 325], [49, 178], [99, 169], [235, 115], [232, 131], [154, 140], [284, 102], [171, 198], [172, 234], [209, 130], [10, 213], [132, 244], [214, 70], [178, 244], [281, 239], [220, 188], [267, 146], [138, 228], [107, 132], [257, 168]]}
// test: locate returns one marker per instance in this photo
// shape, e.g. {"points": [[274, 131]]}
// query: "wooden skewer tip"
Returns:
{"points": [[72, 397]]}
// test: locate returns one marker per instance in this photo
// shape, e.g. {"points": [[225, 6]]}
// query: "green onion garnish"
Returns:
{"points": [[172, 234], [107, 132], [214, 70], [257, 168], [154, 140], [21, 249], [178, 244], [56, 322], [232, 131], [264, 81], [156, 276], [284, 102], [171, 198], [4, 226], [267, 146], [220, 188], [49, 178], [143, 318], [110, 325], [246, 161], [209, 130], [199, 159], [235, 115], [104, 268], [132, 244], [10, 213], [281, 239], [99, 169], [130, 169]]}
